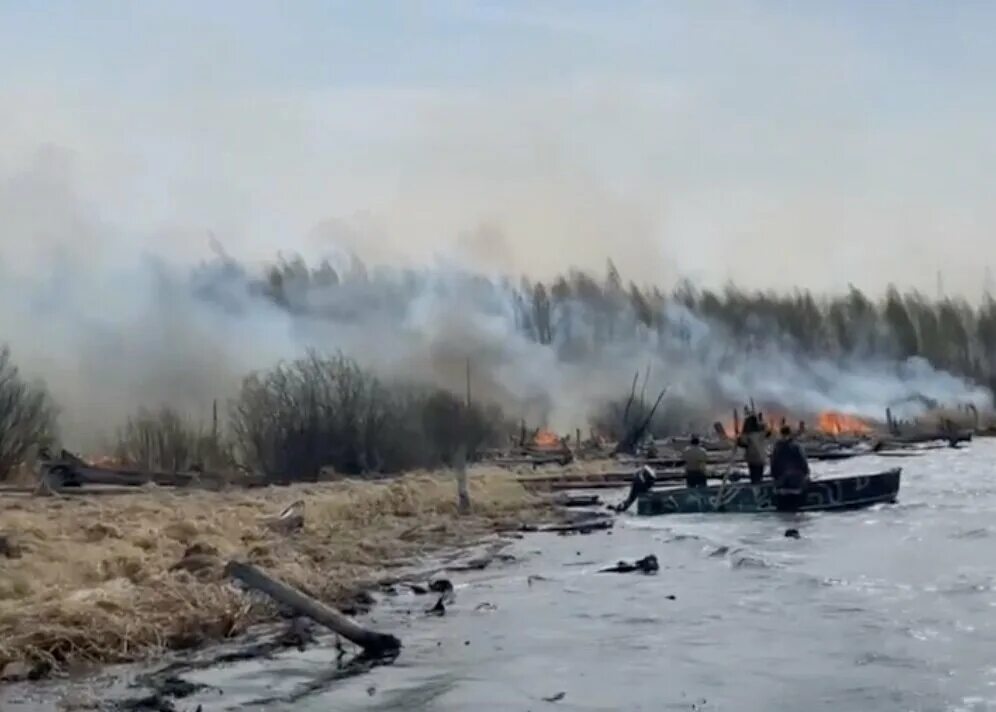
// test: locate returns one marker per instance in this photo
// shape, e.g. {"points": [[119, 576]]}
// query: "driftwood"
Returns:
{"points": [[535, 460], [582, 526], [647, 565], [67, 470], [373, 643], [289, 520], [578, 500]]}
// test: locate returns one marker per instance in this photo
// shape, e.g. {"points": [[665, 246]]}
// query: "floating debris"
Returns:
{"points": [[647, 565]]}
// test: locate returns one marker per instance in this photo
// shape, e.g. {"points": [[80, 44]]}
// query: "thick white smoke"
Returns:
{"points": [[111, 328], [147, 333]]}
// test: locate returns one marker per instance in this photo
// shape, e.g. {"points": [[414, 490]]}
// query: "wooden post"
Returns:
{"points": [[463, 495], [372, 642], [577, 434], [736, 423]]}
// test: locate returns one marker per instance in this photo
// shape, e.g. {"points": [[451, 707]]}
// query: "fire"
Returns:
{"points": [[546, 439], [98, 460], [728, 427], [840, 424], [103, 461]]}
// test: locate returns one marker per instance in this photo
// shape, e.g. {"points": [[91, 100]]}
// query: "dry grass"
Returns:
{"points": [[96, 580], [577, 467]]}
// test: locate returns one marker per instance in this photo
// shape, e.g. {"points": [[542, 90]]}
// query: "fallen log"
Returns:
{"points": [[69, 471], [578, 500], [533, 461], [584, 526], [373, 643]]}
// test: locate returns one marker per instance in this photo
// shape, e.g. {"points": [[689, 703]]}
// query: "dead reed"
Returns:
{"points": [[119, 577]]}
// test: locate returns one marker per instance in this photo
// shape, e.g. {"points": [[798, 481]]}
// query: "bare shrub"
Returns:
{"points": [[675, 416], [163, 440], [27, 416], [326, 411], [448, 424]]}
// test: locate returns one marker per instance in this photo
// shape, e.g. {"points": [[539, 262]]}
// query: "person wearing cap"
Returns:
{"points": [[790, 471], [696, 461]]}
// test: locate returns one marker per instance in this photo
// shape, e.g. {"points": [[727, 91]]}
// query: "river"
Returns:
{"points": [[890, 608]]}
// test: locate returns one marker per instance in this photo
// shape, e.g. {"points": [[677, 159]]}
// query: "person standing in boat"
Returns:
{"points": [[753, 439], [790, 471], [696, 463]]}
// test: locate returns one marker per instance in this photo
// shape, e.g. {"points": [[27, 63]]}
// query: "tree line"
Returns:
{"points": [[328, 411], [579, 310]]}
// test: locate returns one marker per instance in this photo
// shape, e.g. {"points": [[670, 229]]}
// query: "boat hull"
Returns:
{"points": [[821, 495]]}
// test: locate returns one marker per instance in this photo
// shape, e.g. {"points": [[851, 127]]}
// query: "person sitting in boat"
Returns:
{"points": [[753, 439], [790, 471], [696, 460]]}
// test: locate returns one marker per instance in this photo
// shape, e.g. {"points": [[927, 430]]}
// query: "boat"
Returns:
{"points": [[831, 454], [837, 493]]}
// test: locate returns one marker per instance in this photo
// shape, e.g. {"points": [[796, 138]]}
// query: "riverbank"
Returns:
{"points": [[118, 578]]}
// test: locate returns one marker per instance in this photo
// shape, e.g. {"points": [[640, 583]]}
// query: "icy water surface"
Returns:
{"points": [[891, 608]]}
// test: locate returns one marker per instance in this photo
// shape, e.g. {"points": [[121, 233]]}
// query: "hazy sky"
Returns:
{"points": [[775, 143]]}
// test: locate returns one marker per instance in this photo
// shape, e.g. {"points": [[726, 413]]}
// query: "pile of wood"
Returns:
{"points": [[66, 471]]}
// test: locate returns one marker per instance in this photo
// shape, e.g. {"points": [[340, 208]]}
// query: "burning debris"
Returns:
{"points": [[544, 439], [834, 424]]}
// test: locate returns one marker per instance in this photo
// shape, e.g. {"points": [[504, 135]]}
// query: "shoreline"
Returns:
{"points": [[174, 680], [95, 581]]}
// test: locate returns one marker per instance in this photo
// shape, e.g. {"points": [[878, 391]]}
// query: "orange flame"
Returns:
{"points": [[728, 427], [840, 424], [103, 461], [546, 439]]}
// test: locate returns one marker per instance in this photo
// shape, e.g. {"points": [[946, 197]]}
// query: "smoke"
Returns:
{"points": [[161, 334], [111, 324], [434, 324]]}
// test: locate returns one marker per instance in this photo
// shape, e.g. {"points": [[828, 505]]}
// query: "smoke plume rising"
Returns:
{"points": [[149, 333], [111, 328]]}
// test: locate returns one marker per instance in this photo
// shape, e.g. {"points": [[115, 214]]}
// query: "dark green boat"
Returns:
{"points": [[837, 493]]}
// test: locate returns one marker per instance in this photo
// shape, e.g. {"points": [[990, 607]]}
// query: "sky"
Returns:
{"points": [[776, 144]]}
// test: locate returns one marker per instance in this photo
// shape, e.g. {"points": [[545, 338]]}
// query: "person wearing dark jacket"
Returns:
{"points": [[643, 481], [790, 471]]}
